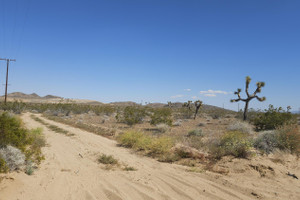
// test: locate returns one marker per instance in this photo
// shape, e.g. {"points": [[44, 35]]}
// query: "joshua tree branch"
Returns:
{"points": [[249, 97]]}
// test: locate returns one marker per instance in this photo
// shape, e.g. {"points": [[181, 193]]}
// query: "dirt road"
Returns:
{"points": [[70, 171]]}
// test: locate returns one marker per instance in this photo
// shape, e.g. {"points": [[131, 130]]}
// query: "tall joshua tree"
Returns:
{"points": [[249, 96]]}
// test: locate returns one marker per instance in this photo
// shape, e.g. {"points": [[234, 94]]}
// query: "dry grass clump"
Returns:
{"points": [[39, 120], [129, 168], [57, 129], [83, 126], [162, 128], [107, 159], [195, 133], [51, 126]]}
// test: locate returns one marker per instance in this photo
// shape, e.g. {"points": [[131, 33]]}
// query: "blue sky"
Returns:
{"points": [[152, 50]]}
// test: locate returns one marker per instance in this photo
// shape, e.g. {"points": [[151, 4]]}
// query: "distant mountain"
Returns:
{"points": [[20, 95], [124, 103], [52, 97]]}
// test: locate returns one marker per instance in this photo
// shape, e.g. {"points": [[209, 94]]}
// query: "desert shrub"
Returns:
{"points": [[3, 166], [161, 116], [37, 141], [241, 126], [162, 128], [132, 115], [12, 133], [195, 132], [266, 141], [288, 138], [16, 141], [152, 146], [16, 106], [104, 109], [160, 146], [107, 159], [233, 143], [130, 138], [272, 118], [13, 157]]}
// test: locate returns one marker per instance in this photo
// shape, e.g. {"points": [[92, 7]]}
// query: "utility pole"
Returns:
{"points": [[7, 66]]}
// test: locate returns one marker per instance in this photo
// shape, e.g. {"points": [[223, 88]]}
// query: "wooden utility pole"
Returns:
{"points": [[7, 67]]}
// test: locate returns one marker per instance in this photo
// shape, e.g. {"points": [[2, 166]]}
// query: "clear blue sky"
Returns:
{"points": [[152, 50]]}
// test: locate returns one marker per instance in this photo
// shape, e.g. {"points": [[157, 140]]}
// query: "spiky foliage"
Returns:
{"points": [[249, 96], [187, 104], [198, 105]]}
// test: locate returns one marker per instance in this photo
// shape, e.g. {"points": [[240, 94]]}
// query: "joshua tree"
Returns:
{"points": [[169, 104], [198, 105], [249, 97], [187, 104]]}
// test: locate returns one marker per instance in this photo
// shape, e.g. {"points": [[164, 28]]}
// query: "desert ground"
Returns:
{"points": [[71, 171]]}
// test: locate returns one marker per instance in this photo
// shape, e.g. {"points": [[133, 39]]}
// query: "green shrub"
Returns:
{"points": [[130, 138], [272, 118], [107, 159], [13, 137], [160, 146], [3, 166], [161, 116], [132, 115], [12, 133], [233, 143]]}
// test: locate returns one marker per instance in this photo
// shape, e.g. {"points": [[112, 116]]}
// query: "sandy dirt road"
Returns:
{"points": [[65, 175]]}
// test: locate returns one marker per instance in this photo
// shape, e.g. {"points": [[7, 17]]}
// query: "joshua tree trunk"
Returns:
{"points": [[246, 110], [198, 104]]}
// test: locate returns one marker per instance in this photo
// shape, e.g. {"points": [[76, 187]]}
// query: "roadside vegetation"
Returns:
{"points": [[188, 134], [20, 148]]}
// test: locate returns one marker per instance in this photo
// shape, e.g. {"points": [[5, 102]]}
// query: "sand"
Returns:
{"points": [[71, 171]]}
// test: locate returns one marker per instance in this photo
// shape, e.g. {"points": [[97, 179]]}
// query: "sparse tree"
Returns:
{"points": [[249, 97], [198, 105]]}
